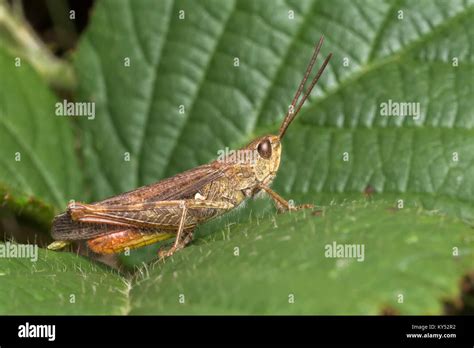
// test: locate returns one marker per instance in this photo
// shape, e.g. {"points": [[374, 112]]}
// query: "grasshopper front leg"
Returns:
{"points": [[282, 204]]}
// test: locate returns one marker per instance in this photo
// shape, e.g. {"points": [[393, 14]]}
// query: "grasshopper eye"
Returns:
{"points": [[265, 149]]}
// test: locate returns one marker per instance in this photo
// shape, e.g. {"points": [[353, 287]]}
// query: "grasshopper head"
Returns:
{"points": [[266, 157]]}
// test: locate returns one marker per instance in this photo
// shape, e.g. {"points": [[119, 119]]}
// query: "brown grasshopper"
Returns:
{"points": [[173, 207]]}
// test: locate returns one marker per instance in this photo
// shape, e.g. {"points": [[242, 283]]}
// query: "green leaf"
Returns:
{"points": [[405, 252], [40, 170], [58, 283], [277, 257]]}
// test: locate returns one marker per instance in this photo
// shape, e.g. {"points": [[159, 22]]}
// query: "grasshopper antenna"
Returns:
{"points": [[293, 109]]}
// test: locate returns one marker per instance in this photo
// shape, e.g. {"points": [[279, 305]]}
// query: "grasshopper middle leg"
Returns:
{"points": [[185, 236], [179, 242]]}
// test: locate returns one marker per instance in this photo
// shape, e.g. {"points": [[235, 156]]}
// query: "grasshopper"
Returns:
{"points": [[173, 207]]}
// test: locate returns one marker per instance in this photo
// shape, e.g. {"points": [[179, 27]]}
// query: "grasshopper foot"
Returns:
{"points": [[188, 237], [302, 206], [163, 254], [289, 208]]}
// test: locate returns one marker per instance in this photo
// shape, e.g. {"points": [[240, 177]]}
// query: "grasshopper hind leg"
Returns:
{"points": [[128, 239]]}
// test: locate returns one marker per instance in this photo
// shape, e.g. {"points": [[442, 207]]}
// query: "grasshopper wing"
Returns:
{"points": [[181, 186]]}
